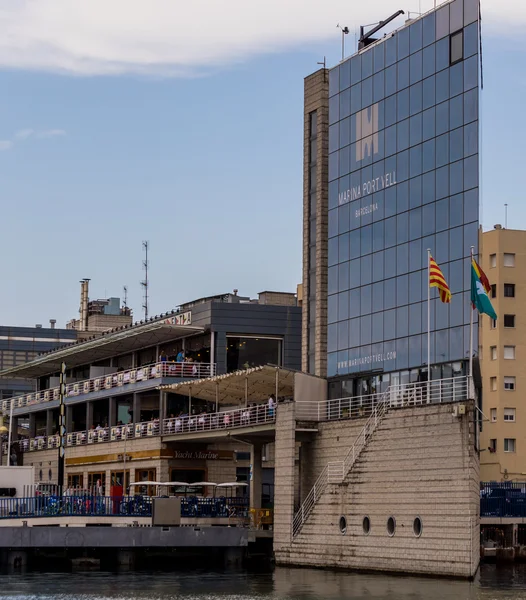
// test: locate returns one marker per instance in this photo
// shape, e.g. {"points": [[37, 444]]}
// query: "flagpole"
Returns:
{"points": [[471, 327], [428, 323]]}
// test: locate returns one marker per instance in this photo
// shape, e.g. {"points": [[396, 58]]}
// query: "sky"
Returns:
{"points": [[182, 124]]}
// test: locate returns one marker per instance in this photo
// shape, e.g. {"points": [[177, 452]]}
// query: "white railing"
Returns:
{"points": [[242, 417], [438, 391], [375, 408], [184, 370]]}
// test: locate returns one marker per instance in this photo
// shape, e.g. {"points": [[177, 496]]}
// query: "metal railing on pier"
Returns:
{"points": [[184, 370], [503, 499]]}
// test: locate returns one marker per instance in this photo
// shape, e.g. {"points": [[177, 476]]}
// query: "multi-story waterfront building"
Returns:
{"points": [[120, 407], [502, 352], [391, 170]]}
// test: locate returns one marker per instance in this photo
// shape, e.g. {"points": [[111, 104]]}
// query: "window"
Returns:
{"points": [[509, 444], [493, 290], [391, 526], [509, 321], [366, 525], [509, 352], [509, 260], [509, 290], [96, 480], [343, 525], [493, 323], [75, 481], [456, 47], [492, 260], [493, 413], [492, 446], [493, 384], [509, 383], [509, 415], [417, 527], [245, 352], [493, 352]]}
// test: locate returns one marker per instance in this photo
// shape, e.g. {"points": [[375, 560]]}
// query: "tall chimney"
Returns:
{"points": [[84, 296], [52, 323]]}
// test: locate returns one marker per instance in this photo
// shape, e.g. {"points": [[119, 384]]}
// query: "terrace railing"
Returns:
{"points": [[119, 379]]}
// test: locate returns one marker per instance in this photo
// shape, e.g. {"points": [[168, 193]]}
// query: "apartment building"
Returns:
{"points": [[503, 355]]}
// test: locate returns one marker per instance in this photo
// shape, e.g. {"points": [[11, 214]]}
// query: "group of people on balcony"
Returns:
{"points": [[181, 365]]}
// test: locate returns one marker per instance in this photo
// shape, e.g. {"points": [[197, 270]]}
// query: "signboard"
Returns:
{"points": [[180, 319], [203, 454]]}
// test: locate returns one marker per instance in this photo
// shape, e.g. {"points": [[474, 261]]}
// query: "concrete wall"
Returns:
{"points": [[419, 462]]}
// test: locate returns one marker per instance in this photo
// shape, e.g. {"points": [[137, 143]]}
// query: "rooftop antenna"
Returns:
{"points": [[366, 39], [506, 216], [345, 31], [324, 63], [125, 290], [145, 282]]}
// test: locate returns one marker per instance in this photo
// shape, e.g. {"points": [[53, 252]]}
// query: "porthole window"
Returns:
{"points": [[417, 527], [343, 525], [391, 526], [366, 524]]}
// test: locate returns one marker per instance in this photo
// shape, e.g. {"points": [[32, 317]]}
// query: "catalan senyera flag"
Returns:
{"points": [[437, 279]]}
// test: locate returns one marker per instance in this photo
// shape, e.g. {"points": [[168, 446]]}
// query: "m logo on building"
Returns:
{"points": [[367, 129]]}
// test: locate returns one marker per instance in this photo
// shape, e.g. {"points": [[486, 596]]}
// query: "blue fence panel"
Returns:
{"points": [[503, 499]]}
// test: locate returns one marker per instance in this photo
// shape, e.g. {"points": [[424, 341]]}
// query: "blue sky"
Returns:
{"points": [[206, 166]]}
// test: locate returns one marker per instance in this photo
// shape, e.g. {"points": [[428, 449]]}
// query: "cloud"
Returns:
{"points": [[5, 145], [174, 37], [50, 133], [23, 134]]}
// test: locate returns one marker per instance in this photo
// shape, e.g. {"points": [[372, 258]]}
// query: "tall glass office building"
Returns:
{"points": [[403, 177]]}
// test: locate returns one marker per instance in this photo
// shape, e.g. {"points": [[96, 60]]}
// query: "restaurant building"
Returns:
{"points": [[120, 406]]}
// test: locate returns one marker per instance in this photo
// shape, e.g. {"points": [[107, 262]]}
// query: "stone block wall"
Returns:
{"points": [[420, 462]]}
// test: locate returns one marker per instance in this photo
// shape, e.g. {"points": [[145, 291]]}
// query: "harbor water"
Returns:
{"points": [[492, 583]]}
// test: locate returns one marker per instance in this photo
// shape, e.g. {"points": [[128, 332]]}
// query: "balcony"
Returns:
{"points": [[122, 379], [226, 420]]}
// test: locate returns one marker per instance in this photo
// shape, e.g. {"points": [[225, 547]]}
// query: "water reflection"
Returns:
{"points": [[493, 583]]}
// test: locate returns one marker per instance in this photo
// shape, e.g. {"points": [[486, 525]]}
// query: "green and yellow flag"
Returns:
{"points": [[479, 291]]}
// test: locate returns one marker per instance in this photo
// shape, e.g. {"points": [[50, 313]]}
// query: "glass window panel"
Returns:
{"points": [[415, 100], [428, 155], [343, 218], [390, 232], [356, 69], [402, 228], [355, 243], [378, 86], [403, 74], [471, 172], [345, 103], [455, 243], [333, 251], [365, 330], [456, 282], [367, 92], [402, 290], [354, 273], [456, 79], [442, 22], [334, 137], [333, 222], [390, 110], [415, 188], [379, 61], [366, 299], [390, 262], [366, 268], [402, 166], [378, 236], [390, 80], [332, 285], [455, 112], [367, 63], [332, 308], [378, 266], [366, 235], [415, 36], [343, 276], [389, 324], [354, 303], [471, 11], [428, 123], [402, 104], [390, 293], [333, 166], [415, 67], [345, 75], [344, 155], [442, 117], [456, 210], [471, 206], [390, 201], [442, 86], [334, 109], [333, 197], [343, 335], [344, 131], [403, 135], [343, 306], [428, 61], [470, 106], [415, 291], [415, 130], [415, 231], [456, 15], [456, 144], [442, 247], [415, 161], [334, 81], [471, 40], [402, 197], [471, 73], [442, 150], [402, 258], [390, 50], [428, 26], [428, 219], [442, 54], [470, 237], [354, 333], [378, 329], [332, 337], [428, 187], [442, 182], [356, 99], [343, 248], [402, 321], [471, 141], [390, 140], [428, 92], [415, 350], [377, 298], [403, 43], [442, 214], [402, 353]]}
